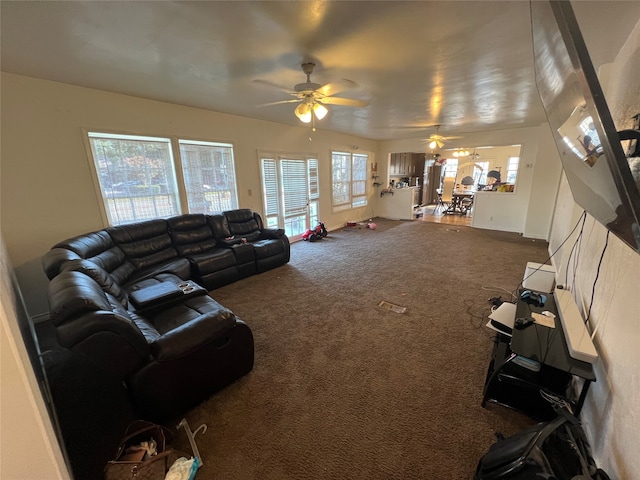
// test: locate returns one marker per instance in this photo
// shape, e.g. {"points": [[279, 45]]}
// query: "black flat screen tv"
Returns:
{"points": [[590, 149]]}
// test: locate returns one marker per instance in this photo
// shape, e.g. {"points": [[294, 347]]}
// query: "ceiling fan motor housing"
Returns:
{"points": [[307, 86]]}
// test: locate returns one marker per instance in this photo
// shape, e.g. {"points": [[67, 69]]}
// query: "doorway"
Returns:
{"points": [[290, 192]]}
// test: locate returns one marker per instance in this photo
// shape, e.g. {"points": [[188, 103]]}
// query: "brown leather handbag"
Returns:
{"points": [[142, 454]]}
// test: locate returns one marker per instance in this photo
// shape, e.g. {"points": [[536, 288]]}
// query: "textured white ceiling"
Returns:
{"points": [[466, 65]]}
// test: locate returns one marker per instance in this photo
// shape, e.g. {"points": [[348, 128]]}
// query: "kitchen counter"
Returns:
{"points": [[398, 206]]}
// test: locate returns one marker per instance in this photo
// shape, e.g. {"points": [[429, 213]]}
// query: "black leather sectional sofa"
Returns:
{"points": [[133, 301]]}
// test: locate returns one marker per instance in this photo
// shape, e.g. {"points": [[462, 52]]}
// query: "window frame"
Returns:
{"points": [[176, 160], [312, 195], [233, 202], [512, 171], [355, 191]]}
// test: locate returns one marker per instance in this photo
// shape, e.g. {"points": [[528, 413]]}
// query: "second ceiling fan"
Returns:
{"points": [[313, 97]]}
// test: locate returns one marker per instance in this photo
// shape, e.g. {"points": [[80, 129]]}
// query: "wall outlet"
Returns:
{"points": [[250, 193]]}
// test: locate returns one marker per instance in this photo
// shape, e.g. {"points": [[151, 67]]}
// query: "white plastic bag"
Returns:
{"points": [[183, 469]]}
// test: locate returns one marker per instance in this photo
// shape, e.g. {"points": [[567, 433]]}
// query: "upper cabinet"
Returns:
{"points": [[406, 164]]}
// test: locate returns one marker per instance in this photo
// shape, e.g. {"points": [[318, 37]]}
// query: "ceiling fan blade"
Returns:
{"points": [[293, 100], [274, 85], [438, 141], [335, 88], [347, 102]]}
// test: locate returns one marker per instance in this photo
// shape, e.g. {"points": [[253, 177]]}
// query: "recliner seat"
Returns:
{"points": [[271, 248], [214, 266], [171, 359]]}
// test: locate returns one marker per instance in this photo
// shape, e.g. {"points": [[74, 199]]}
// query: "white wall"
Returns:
{"points": [[47, 190], [28, 446], [612, 411]]}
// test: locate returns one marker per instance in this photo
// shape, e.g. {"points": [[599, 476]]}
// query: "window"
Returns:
{"points": [[136, 176], [138, 179], [586, 130], [209, 176], [482, 178], [450, 168], [512, 169], [290, 192], [349, 180]]}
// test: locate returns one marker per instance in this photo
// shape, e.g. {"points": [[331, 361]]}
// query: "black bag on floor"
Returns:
{"points": [[554, 450]]}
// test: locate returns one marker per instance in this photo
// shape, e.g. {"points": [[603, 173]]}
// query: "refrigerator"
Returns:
{"points": [[430, 183]]}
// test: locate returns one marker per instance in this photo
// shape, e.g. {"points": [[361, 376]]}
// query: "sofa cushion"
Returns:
{"points": [[73, 293], [99, 248], [95, 323], [214, 261], [268, 248], [54, 260], [144, 244], [191, 234], [241, 222], [87, 245], [186, 327], [219, 226], [102, 278], [149, 251], [151, 281], [112, 259], [146, 327]]}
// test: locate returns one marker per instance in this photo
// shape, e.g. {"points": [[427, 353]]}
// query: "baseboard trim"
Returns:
{"points": [[492, 227]]}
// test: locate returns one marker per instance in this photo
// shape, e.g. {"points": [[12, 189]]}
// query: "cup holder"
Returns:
{"points": [[188, 289], [183, 285]]}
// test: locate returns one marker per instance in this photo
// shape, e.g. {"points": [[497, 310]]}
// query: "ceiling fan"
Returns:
{"points": [[437, 140], [312, 97]]}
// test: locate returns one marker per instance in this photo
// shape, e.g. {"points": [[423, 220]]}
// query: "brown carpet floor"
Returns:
{"points": [[343, 389]]}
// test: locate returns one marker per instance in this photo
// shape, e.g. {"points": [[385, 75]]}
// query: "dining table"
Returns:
{"points": [[461, 202]]}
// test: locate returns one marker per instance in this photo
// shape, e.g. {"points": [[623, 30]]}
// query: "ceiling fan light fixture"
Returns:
{"points": [[433, 144], [461, 153], [320, 111], [303, 112]]}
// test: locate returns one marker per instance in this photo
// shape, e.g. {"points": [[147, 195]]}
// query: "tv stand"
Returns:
{"points": [[534, 365]]}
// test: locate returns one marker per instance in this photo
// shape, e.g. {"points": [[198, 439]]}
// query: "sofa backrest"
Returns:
{"points": [[219, 226], [54, 260], [242, 223], [144, 244], [191, 234], [79, 308], [98, 247], [100, 276]]}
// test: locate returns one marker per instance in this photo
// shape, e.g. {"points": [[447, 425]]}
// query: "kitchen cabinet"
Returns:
{"points": [[406, 164]]}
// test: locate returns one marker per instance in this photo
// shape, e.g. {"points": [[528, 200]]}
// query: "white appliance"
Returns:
{"points": [[539, 277]]}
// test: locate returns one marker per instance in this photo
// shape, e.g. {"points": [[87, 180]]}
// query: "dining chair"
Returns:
{"points": [[446, 197]]}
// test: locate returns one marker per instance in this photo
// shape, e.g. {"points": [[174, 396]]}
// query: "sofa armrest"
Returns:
{"points": [[192, 335], [272, 233], [54, 260]]}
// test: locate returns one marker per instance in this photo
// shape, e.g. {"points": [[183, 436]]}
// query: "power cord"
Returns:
{"points": [[595, 281], [583, 218], [575, 244]]}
